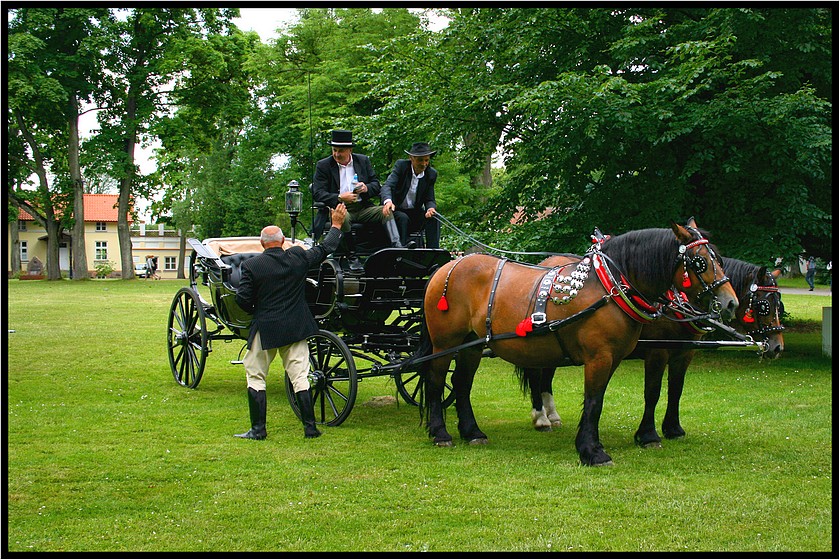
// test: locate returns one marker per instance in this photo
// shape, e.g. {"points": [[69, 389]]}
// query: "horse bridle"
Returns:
{"points": [[761, 307], [698, 264]]}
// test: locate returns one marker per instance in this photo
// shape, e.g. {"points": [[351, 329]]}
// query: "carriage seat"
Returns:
{"points": [[235, 262]]}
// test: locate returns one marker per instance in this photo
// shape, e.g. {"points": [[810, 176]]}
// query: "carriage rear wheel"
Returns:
{"points": [[333, 381], [187, 338], [408, 386]]}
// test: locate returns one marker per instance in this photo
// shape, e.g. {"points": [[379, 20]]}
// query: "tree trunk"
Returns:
{"points": [[182, 253], [15, 239], [78, 248], [126, 188], [47, 214]]}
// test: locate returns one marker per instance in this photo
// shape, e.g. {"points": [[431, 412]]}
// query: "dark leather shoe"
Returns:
{"points": [[411, 245], [252, 434]]}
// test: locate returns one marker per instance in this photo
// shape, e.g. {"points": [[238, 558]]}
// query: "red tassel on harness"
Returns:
{"points": [[748, 317], [443, 305], [524, 327], [686, 280]]}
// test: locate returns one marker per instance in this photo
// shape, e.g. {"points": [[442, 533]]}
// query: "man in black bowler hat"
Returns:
{"points": [[409, 193]]}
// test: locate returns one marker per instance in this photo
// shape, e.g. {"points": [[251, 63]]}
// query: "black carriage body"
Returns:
{"points": [[370, 321]]}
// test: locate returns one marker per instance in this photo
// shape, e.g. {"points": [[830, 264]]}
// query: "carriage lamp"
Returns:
{"points": [[294, 204]]}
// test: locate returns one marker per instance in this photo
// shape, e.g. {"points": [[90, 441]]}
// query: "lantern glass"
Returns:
{"points": [[294, 201]]}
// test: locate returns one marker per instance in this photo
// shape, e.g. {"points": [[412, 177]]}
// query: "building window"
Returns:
{"points": [[21, 225], [24, 252], [170, 263], [101, 226], [102, 250]]}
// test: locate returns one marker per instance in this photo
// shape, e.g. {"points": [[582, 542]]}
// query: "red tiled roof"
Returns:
{"points": [[98, 208]]}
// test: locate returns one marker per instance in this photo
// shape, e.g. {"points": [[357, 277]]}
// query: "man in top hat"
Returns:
{"points": [[409, 193], [349, 178]]}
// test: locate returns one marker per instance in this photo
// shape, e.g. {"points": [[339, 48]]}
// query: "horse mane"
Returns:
{"points": [[645, 255], [741, 274]]}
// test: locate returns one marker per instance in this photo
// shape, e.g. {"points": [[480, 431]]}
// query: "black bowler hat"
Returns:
{"points": [[342, 138], [420, 149]]}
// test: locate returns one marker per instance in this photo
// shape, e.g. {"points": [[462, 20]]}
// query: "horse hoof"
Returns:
{"points": [[652, 445], [543, 428], [557, 423], [605, 464], [444, 443], [478, 441]]}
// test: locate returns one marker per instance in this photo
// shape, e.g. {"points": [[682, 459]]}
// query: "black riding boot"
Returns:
{"points": [[355, 264], [307, 414], [256, 406], [393, 233]]}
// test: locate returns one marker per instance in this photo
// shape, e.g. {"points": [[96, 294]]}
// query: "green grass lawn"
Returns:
{"points": [[106, 453]]}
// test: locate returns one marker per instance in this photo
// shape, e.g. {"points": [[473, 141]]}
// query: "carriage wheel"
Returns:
{"points": [[332, 379], [408, 386], [187, 338]]}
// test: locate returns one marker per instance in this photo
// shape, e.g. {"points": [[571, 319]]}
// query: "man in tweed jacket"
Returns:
{"points": [[272, 290]]}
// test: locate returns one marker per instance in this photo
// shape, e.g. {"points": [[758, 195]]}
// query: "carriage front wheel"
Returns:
{"points": [[333, 381], [187, 338]]}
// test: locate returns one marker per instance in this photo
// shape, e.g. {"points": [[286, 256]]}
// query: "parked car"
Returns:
{"points": [[140, 270]]}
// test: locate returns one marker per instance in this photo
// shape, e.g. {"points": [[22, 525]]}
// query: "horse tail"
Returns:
{"points": [[524, 382]]}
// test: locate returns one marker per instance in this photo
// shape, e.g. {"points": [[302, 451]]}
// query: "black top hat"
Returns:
{"points": [[342, 138], [420, 149]]}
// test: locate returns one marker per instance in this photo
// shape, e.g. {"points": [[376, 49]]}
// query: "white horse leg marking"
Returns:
{"points": [[551, 410], [540, 420]]}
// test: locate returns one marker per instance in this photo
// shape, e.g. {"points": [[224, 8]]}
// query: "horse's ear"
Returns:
{"points": [[776, 273], [683, 235], [762, 274], [691, 223]]}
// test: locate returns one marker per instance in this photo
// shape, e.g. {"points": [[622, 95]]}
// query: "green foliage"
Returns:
{"points": [[629, 118], [104, 268]]}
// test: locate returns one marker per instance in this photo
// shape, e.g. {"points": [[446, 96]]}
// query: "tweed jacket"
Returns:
{"points": [[272, 290], [326, 184], [398, 183]]}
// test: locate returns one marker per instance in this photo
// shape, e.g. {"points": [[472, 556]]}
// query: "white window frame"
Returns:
{"points": [[101, 251]]}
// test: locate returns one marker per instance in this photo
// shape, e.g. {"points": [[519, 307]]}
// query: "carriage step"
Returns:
{"points": [[236, 362]]}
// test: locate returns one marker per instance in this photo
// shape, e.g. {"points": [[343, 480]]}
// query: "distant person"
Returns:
{"points": [[272, 290], [151, 267], [828, 268], [409, 192], [349, 178], [810, 272]]}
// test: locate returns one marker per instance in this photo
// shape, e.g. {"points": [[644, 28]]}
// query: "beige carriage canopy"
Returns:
{"points": [[233, 245]]}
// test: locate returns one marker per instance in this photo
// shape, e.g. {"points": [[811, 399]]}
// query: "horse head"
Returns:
{"points": [[699, 272], [759, 314]]}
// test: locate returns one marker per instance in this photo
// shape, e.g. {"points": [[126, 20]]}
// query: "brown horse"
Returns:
{"points": [[593, 319], [758, 316]]}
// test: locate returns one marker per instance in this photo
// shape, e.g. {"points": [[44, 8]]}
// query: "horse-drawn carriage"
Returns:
{"points": [[387, 319], [369, 321]]}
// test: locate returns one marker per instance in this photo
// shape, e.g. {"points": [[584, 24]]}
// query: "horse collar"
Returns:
{"points": [[627, 298]]}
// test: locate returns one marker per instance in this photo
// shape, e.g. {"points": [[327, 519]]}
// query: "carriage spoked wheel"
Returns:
{"points": [[333, 381], [408, 386], [187, 338]]}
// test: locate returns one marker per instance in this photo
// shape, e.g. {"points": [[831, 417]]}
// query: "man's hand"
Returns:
{"points": [[430, 212], [388, 208], [337, 215], [348, 197]]}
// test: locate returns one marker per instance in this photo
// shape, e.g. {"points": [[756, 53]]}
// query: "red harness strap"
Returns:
{"points": [[633, 305]]}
